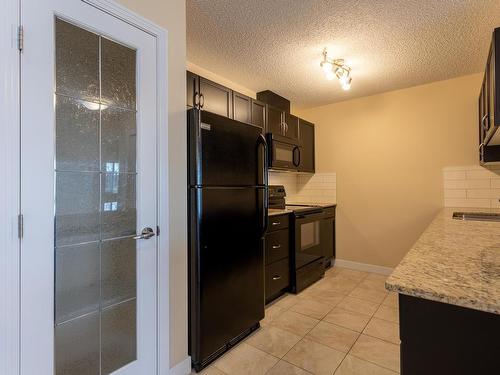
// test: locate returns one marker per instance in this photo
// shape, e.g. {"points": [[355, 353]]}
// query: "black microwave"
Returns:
{"points": [[283, 154]]}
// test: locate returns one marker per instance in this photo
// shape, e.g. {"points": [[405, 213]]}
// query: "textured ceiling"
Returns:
{"points": [[277, 44]]}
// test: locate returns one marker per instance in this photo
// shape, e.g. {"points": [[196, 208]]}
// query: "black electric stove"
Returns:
{"points": [[308, 258]]}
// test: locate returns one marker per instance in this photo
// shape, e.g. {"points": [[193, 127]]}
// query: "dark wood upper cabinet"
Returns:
{"points": [[274, 120], [216, 98], [258, 114], [489, 105], [307, 151], [291, 126], [242, 107], [192, 89]]}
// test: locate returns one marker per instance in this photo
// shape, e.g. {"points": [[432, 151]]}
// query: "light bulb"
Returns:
{"points": [[344, 79], [330, 75], [326, 66], [347, 84]]}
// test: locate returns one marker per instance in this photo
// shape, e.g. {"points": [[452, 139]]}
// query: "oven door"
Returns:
{"points": [[308, 247], [283, 155]]}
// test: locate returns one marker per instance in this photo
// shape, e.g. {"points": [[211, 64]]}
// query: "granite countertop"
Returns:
{"points": [[277, 211], [455, 262]]}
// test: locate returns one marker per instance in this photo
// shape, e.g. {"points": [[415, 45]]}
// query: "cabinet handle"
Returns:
{"points": [[276, 246], [483, 122], [276, 277], [286, 128], [196, 99], [276, 223], [202, 100]]}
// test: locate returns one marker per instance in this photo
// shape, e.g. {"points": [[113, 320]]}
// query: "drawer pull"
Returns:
{"points": [[276, 246], [276, 278], [276, 222]]}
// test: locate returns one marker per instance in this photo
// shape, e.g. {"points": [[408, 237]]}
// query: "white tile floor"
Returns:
{"points": [[345, 324]]}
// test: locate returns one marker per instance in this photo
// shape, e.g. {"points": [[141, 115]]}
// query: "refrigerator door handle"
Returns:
{"points": [[262, 141]]}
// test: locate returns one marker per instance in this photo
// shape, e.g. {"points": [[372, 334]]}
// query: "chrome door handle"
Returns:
{"points": [[276, 246], [276, 277], [146, 234], [276, 222]]}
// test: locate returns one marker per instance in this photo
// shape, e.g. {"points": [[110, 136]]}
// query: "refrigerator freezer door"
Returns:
{"points": [[224, 152], [226, 266]]}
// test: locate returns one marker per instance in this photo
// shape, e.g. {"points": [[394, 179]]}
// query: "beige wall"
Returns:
{"points": [[388, 151], [171, 15]]}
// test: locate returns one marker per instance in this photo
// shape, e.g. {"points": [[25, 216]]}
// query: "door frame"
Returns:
{"points": [[10, 153]]}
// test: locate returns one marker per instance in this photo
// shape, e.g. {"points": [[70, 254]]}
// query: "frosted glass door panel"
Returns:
{"points": [[95, 195]]}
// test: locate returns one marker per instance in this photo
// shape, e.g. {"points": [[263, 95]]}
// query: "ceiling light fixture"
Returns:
{"points": [[336, 68]]}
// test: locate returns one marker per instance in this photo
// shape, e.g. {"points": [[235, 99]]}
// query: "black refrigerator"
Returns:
{"points": [[227, 179]]}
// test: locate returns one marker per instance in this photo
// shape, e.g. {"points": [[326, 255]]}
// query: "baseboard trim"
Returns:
{"points": [[182, 368], [363, 266]]}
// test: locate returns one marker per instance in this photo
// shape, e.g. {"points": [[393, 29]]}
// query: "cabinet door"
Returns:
{"points": [[258, 114], [291, 126], [215, 98], [274, 120], [192, 89], [328, 237], [307, 154], [242, 107]]}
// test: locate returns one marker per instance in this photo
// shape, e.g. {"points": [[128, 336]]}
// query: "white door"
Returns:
{"points": [[88, 187]]}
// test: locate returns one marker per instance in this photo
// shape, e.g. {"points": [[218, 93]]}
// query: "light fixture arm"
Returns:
{"points": [[338, 68]]}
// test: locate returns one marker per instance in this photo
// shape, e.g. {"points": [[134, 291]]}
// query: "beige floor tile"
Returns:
{"points": [[368, 294], [353, 274], [285, 368], [358, 305], [244, 359], [334, 336], [377, 351], [338, 285], [286, 301], [383, 329], [378, 285], [355, 366], [295, 322], [274, 341], [314, 357], [391, 300], [326, 297], [209, 371], [348, 319], [271, 313], [387, 313], [376, 276], [312, 308]]}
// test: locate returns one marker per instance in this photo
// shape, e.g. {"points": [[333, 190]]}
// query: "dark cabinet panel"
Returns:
{"points": [[242, 107], [277, 278], [277, 246], [278, 222], [215, 98], [274, 120], [192, 89], [291, 126], [307, 152], [258, 114]]}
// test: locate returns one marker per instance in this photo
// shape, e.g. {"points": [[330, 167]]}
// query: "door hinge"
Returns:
{"points": [[20, 37], [20, 226]]}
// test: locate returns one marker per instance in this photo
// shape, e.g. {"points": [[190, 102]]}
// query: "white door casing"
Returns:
{"points": [[38, 179]]}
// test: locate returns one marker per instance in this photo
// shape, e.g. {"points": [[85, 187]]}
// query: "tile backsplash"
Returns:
{"points": [[472, 186], [317, 188]]}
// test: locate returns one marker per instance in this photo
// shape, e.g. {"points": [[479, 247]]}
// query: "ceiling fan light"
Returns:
{"points": [[330, 75]]}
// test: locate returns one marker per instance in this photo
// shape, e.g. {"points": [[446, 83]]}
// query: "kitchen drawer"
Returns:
{"points": [[278, 222], [277, 246], [277, 278], [329, 212]]}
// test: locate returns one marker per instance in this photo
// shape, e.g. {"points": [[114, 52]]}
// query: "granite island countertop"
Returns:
{"points": [[455, 262], [277, 211]]}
